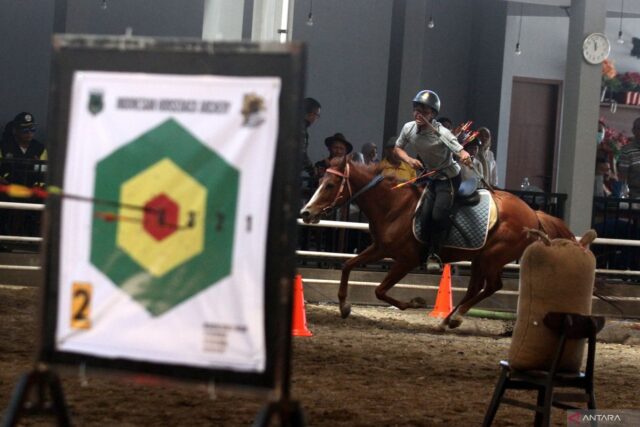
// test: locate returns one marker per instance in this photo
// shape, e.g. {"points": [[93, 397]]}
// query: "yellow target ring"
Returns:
{"points": [[160, 257]]}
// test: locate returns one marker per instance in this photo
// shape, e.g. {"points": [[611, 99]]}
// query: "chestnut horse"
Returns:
{"points": [[390, 213]]}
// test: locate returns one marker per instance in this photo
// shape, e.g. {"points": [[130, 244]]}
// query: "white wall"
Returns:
{"points": [[544, 47], [544, 50], [621, 53], [543, 42]]}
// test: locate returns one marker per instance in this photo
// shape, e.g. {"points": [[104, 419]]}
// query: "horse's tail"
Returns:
{"points": [[554, 227]]}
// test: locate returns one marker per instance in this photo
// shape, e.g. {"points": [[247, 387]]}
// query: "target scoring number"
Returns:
{"points": [[81, 298]]}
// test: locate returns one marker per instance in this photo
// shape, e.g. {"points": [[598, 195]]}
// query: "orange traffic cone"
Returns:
{"points": [[299, 319], [444, 300]]}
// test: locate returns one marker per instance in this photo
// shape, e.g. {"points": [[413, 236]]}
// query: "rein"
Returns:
{"points": [[345, 180]]}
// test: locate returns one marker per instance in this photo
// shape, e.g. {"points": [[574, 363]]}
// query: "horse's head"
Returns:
{"points": [[334, 189]]}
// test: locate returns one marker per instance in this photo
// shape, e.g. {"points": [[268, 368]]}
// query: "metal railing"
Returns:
{"points": [[617, 222], [617, 218], [20, 217], [352, 240], [512, 266]]}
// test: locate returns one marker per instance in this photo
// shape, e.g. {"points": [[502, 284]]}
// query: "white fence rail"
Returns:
{"points": [[324, 224], [22, 206], [365, 227]]}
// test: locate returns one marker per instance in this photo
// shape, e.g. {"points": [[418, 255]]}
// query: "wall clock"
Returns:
{"points": [[596, 48]]}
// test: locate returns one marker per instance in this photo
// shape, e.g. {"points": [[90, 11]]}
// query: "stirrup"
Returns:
{"points": [[434, 264]]}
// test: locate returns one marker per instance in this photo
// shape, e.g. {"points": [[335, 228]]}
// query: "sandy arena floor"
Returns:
{"points": [[380, 367]]}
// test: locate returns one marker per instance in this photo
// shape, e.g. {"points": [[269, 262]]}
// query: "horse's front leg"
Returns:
{"points": [[476, 283], [493, 284], [396, 273], [371, 253]]}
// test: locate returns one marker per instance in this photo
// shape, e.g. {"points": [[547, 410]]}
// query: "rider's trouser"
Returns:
{"points": [[437, 209]]}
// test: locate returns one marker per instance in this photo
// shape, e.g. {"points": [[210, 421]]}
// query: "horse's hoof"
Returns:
{"points": [[418, 302], [454, 323], [345, 310]]}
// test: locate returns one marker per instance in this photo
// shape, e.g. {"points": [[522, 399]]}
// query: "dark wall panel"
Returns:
{"points": [[145, 17], [25, 53]]}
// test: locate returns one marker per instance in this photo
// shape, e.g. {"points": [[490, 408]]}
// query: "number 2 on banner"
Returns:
{"points": [[81, 305]]}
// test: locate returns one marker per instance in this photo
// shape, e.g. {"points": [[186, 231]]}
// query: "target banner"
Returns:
{"points": [[167, 262]]}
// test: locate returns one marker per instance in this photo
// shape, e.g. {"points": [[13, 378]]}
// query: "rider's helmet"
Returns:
{"points": [[428, 98]]}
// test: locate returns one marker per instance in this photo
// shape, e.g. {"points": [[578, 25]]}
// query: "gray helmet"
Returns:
{"points": [[428, 98]]}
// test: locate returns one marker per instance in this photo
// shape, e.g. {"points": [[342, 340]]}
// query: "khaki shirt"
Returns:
{"points": [[435, 152]]}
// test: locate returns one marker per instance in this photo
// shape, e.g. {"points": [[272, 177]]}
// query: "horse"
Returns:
{"points": [[390, 213]]}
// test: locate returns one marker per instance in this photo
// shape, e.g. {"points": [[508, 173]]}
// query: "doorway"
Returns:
{"points": [[533, 133]]}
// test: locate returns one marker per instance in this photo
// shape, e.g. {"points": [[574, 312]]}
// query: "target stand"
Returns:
{"points": [[173, 177], [38, 393]]}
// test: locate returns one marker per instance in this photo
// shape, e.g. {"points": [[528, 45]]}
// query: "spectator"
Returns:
{"points": [[602, 152], [486, 158], [602, 130], [446, 122], [603, 179], [338, 146], [436, 146], [357, 157], [369, 153], [311, 115], [467, 172], [7, 134], [19, 148], [20, 156], [391, 165], [629, 162]]}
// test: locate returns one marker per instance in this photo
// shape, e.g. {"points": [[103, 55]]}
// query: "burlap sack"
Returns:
{"points": [[554, 276]]}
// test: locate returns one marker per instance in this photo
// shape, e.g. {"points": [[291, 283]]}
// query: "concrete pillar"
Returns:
{"points": [[223, 20], [272, 20], [581, 103]]}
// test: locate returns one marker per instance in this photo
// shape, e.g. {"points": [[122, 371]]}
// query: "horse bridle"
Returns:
{"points": [[345, 180]]}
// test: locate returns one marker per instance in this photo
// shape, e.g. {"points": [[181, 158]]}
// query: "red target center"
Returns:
{"points": [[161, 217]]}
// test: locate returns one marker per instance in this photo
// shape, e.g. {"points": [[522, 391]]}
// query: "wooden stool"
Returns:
{"points": [[568, 326]]}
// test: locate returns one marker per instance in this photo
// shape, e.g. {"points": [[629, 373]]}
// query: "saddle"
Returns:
{"points": [[474, 213]]}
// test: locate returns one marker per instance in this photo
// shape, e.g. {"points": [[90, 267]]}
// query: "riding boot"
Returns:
{"points": [[434, 263]]}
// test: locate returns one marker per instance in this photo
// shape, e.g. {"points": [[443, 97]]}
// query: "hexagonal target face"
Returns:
{"points": [[178, 206]]}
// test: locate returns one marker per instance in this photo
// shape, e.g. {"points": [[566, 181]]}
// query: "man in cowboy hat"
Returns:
{"points": [[435, 145], [338, 146]]}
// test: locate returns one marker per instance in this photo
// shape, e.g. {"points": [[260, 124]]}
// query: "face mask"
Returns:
{"points": [[600, 136]]}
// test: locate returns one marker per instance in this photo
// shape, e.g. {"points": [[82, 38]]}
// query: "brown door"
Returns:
{"points": [[533, 133]]}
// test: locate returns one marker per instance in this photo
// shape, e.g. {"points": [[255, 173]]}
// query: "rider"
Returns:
{"points": [[435, 146]]}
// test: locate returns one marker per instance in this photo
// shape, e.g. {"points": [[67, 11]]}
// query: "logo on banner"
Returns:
{"points": [[95, 102], [252, 107], [175, 228]]}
